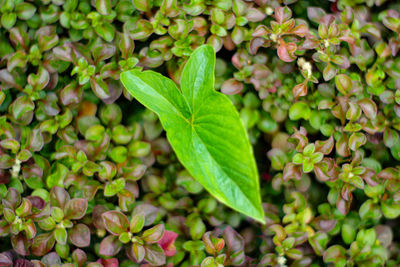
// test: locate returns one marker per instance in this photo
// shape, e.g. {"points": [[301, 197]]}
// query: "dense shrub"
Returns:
{"points": [[88, 178]]}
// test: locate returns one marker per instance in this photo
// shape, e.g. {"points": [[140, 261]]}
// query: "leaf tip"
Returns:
{"points": [[205, 49], [260, 217]]}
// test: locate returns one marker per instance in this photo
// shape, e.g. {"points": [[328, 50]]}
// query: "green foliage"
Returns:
{"points": [[87, 172]]}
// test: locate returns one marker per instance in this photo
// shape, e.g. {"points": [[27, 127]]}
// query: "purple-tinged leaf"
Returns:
{"points": [[115, 222], [110, 246]]}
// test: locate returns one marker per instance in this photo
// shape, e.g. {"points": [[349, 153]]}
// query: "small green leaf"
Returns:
{"points": [[120, 135], [334, 254], [34, 182], [115, 222], [25, 10], [366, 237], [125, 237], [154, 255], [137, 223], [308, 166], [297, 158], [24, 155], [62, 250], [356, 140], [390, 210], [153, 234], [60, 235], [319, 241], [317, 157], [139, 149], [106, 31], [8, 20], [138, 252], [357, 181], [47, 224], [279, 158], [299, 110], [204, 129], [103, 6], [16, 183], [95, 133], [114, 187], [56, 178], [3, 190], [10, 144], [9, 215], [6, 161], [309, 149], [57, 214], [343, 83], [118, 154], [196, 226], [143, 5], [348, 233]]}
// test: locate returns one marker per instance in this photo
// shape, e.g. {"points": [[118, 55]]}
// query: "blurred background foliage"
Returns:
{"points": [[87, 177]]}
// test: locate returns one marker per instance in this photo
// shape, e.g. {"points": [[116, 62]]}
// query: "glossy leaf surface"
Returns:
{"points": [[204, 129]]}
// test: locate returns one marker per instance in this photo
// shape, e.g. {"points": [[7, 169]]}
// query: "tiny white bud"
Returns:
{"points": [[281, 261], [301, 62], [269, 11], [274, 37], [305, 65], [16, 168]]}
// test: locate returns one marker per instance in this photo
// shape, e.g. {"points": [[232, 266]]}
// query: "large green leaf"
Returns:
{"points": [[204, 129]]}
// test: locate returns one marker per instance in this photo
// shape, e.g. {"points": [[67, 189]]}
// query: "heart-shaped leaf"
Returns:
{"points": [[205, 130]]}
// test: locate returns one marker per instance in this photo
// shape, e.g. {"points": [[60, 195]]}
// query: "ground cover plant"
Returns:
{"points": [[97, 167]]}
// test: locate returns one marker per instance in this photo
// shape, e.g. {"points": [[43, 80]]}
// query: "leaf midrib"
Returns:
{"points": [[176, 108], [192, 124], [219, 165]]}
